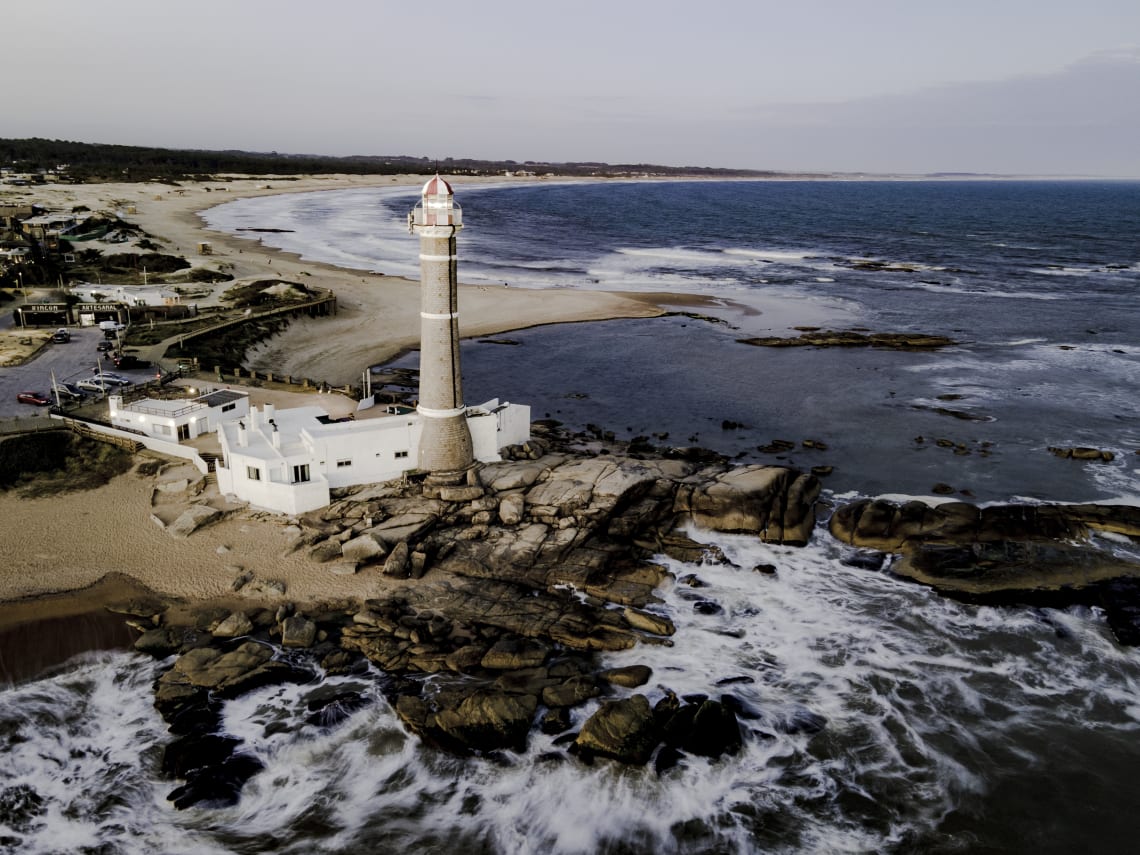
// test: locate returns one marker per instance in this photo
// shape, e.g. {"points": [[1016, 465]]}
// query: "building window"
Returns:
{"points": [[300, 473], [227, 407], [342, 464], [253, 473], [401, 454], [162, 429]]}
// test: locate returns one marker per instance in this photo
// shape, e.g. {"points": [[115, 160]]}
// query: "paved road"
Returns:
{"points": [[72, 361]]}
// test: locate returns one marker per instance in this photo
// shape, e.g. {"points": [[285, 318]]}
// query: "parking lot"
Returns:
{"points": [[70, 361]]}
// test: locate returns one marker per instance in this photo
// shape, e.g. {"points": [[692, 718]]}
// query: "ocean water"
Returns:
{"points": [[884, 718], [1036, 281]]}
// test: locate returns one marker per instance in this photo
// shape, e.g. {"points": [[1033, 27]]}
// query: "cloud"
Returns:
{"points": [[1084, 119]]}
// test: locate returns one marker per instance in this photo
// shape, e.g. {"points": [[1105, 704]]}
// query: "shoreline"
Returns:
{"points": [[64, 566], [336, 349]]}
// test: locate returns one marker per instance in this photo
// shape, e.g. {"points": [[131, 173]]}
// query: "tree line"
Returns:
{"points": [[92, 162]]}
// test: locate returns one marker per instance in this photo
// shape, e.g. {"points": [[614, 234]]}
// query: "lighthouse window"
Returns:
{"points": [[400, 454], [301, 473], [341, 464], [253, 473]]}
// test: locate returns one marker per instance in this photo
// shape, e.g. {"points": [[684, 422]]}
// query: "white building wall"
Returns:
{"points": [[147, 416], [340, 454], [365, 452]]}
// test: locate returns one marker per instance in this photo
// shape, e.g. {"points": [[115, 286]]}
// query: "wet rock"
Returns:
{"points": [[158, 643], [629, 677], [330, 711], [624, 730], [991, 567], [216, 786], [1083, 453], [825, 338], [706, 728], [486, 721], [185, 755], [555, 721], [298, 631], [648, 622], [1120, 599], [509, 654], [572, 692], [803, 721]]}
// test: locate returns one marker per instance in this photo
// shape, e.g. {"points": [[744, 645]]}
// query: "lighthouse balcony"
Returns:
{"points": [[432, 213]]}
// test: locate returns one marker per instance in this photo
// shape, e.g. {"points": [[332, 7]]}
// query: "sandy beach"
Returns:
{"points": [[69, 542], [377, 316]]}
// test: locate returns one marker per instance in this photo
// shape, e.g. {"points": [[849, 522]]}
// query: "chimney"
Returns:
{"points": [[269, 411], [276, 435], [243, 438]]}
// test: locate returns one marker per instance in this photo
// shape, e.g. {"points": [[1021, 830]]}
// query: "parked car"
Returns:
{"points": [[126, 360], [71, 389], [105, 345], [33, 398], [65, 394], [95, 384], [115, 379], [61, 335]]}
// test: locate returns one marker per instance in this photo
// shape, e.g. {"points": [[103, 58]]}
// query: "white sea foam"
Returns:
{"points": [[915, 692], [784, 255], [986, 292]]}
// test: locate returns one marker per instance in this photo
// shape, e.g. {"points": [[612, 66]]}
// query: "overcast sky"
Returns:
{"points": [[1008, 86]]}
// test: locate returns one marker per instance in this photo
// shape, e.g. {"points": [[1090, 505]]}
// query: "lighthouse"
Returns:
{"points": [[445, 441]]}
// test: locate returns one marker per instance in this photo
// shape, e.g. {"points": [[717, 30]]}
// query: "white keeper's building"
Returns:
{"points": [[288, 460]]}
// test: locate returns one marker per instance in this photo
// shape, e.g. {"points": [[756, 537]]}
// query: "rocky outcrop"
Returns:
{"points": [[527, 571], [1083, 453], [192, 519], [1005, 549], [773, 501], [825, 338]]}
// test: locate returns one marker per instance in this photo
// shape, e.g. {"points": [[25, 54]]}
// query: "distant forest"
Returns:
{"points": [[92, 162]]}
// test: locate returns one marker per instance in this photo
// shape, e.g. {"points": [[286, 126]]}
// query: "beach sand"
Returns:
{"points": [[71, 541]]}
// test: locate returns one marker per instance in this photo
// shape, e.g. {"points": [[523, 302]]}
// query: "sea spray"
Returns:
{"points": [[876, 714]]}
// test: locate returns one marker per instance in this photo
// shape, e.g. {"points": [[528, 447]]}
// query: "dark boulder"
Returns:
{"points": [[485, 721], [216, 786], [623, 730]]}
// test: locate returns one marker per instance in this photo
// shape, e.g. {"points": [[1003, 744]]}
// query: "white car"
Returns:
{"points": [[94, 384]]}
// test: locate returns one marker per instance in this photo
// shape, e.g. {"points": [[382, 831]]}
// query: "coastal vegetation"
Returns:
{"points": [[57, 461], [92, 162]]}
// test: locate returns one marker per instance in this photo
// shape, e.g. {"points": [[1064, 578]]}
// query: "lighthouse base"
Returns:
{"points": [[445, 443]]}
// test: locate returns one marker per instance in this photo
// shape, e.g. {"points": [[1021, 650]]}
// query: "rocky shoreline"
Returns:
{"points": [[503, 590]]}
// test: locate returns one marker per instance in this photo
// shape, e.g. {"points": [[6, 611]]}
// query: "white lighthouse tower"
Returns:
{"points": [[445, 442]]}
